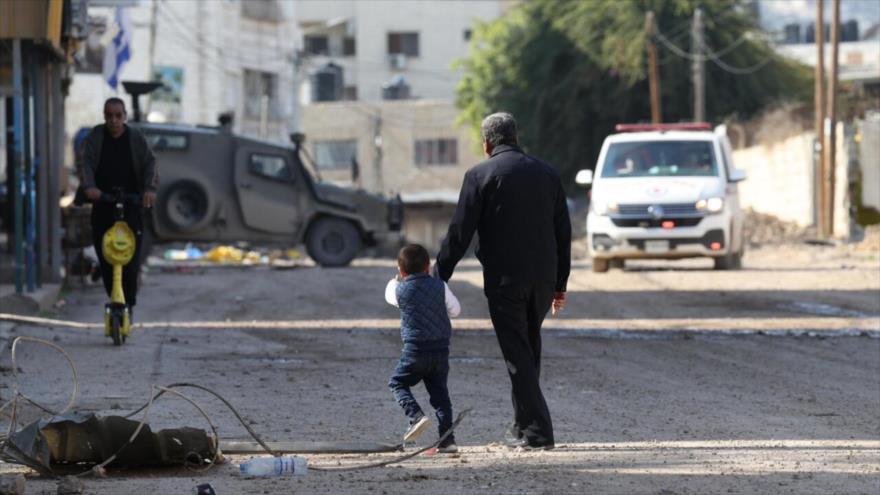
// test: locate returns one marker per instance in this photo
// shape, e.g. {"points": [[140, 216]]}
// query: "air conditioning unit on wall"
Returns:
{"points": [[397, 61]]}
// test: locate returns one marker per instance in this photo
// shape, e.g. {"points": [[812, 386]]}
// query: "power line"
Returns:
{"points": [[218, 54], [714, 56], [185, 35], [729, 48], [740, 71]]}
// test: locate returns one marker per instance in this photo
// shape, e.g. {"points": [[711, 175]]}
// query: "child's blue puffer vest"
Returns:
{"points": [[424, 323]]}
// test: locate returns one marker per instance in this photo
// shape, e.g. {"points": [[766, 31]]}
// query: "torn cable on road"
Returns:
{"points": [[61, 438]]}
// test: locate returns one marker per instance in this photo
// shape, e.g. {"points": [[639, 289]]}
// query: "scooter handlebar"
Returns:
{"points": [[133, 199]]}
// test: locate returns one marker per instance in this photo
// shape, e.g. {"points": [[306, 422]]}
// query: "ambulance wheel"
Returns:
{"points": [[732, 261]]}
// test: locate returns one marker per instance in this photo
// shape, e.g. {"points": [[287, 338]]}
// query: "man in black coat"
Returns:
{"points": [[517, 206]]}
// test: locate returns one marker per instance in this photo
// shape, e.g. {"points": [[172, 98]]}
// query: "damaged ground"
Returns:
{"points": [[665, 378]]}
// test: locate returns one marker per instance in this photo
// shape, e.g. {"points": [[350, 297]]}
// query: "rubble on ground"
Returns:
{"points": [[762, 229], [12, 484], [870, 241]]}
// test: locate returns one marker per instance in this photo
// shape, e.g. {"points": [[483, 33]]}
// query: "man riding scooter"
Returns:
{"points": [[116, 157]]}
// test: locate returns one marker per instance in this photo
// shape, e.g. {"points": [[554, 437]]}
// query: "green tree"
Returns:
{"points": [[570, 70]]}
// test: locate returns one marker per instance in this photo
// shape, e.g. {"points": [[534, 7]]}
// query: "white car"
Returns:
{"points": [[664, 191]]}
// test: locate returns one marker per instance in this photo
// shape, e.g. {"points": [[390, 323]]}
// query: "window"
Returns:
{"points": [[328, 83], [660, 159], [467, 34], [317, 44], [271, 166], [167, 142], [335, 154], [262, 10], [261, 88], [436, 151], [403, 43], [349, 47], [350, 93]]}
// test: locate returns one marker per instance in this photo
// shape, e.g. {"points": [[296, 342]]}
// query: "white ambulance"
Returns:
{"points": [[664, 191]]}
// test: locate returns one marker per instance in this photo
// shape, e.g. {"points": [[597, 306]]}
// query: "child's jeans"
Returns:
{"points": [[431, 368]]}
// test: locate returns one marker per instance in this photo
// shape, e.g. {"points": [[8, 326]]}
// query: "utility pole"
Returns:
{"points": [[153, 15], [653, 72], [204, 103], [18, 165], [377, 147], [831, 160], [698, 67], [820, 117], [296, 113]]}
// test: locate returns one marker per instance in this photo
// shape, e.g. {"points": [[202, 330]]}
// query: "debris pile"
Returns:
{"points": [[231, 255], [871, 240], [762, 229]]}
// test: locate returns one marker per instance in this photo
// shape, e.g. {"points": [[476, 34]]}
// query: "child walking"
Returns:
{"points": [[426, 304]]}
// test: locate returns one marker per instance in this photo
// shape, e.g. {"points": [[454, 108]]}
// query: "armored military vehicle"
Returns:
{"points": [[216, 186]]}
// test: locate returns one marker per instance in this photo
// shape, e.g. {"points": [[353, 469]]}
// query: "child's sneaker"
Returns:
{"points": [[416, 427]]}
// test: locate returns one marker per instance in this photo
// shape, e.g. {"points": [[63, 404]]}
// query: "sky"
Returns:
{"points": [[777, 13]]}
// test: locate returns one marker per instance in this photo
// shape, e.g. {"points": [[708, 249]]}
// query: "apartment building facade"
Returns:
{"points": [[378, 100], [374, 41], [379, 86], [220, 57]]}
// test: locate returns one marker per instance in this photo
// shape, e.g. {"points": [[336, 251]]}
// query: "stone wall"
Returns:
{"points": [[781, 180]]}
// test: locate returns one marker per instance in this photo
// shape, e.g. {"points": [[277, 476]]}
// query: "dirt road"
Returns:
{"points": [[660, 381]]}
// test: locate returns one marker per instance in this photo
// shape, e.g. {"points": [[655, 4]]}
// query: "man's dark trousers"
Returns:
{"points": [[103, 217], [517, 311]]}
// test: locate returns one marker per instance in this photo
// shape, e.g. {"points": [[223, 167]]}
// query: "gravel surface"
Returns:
{"points": [[305, 354]]}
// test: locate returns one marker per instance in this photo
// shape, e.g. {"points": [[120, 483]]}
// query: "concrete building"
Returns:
{"points": [[36, 40], [398, 146], [374, 41], [214, 57], [384, 69], [378, 93], [859, 62], [409, 147], [369, 82]]}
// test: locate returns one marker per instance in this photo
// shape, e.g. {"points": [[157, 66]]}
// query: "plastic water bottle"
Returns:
{"points": [[274, 466]]}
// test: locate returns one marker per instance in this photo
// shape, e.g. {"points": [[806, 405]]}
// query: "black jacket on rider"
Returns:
{"points": [[127, 163], [142, 159]]}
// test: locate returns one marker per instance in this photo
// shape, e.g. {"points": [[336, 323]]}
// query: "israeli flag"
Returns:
{"points": [[118, 51]]}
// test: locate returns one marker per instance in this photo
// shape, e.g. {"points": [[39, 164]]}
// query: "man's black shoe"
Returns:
{"points": [[523, 443]]}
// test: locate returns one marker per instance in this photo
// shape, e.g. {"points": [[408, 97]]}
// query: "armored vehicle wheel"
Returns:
{"points": [[333, 242], [185, 206]]}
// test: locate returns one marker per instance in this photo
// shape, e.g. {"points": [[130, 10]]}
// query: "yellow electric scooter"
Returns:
{"points": [[118, 246]]}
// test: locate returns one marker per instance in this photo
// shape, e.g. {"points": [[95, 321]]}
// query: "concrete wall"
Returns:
{"points": [[427, 224], [781, 180], [869, 160], [859, 60], [399, 123]]}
